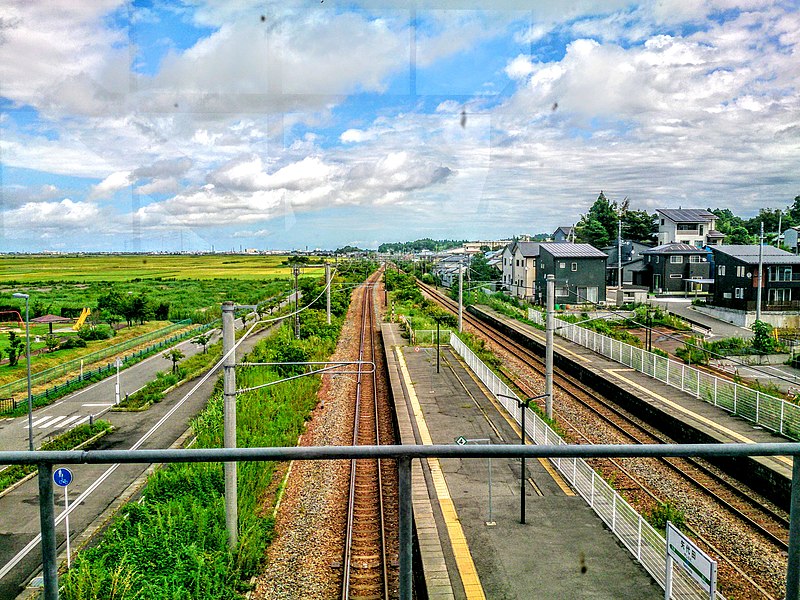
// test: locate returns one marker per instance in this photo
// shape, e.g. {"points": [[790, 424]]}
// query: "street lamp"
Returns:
{"points": [[523, 404], [28, 358]]}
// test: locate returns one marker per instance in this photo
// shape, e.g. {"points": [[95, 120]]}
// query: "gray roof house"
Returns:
{"points": [[579, 270], [677, 269]]}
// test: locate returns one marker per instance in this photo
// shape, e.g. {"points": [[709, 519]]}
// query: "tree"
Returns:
{"points": [[51, 341], [289, 352], [599, 226], [639, 226], [15, 348], [794, 211], [482, 271], [591, 231], [175, 356], [763, 342], [202, 340], [140, 309], [740, 236]]}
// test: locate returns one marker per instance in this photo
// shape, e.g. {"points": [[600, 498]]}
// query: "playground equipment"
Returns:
{"points": [[5, 323], [84, 314]]}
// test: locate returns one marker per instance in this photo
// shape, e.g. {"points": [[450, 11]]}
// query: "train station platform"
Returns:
{"points": [[681, 415], [469, 534]]}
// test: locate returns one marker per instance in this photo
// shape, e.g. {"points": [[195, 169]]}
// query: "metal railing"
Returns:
{"points": [[428, 336], [652, 549], [87, 359], [646, 544], [765, 410]]}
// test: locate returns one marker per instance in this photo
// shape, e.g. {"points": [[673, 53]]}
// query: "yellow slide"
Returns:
{"points": [[79, 323]]}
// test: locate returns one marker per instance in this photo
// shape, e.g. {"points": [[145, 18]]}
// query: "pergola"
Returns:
{"points": [[50, 319]]}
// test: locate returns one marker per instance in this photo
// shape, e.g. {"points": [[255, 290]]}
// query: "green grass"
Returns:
{"points": [[120, 268]]}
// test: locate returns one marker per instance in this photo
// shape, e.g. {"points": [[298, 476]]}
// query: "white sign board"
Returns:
{"points": [[699, 565]]}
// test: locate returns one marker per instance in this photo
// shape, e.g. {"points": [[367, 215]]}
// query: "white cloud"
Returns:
{"points": [[111, 185], [65, 214]]}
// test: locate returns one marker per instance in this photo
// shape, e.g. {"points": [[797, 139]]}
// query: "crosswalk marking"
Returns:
{"points": [[53, 422], [58, 422], [68, 421], [101, 404]]}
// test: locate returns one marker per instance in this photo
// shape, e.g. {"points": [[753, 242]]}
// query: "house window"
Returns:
{"points": [[721, 270], [740, 271], [587, 294], [562, 265], [780, 295], [676, 260], [662, 221], [562, 291], [738, 293], [675, 276], [685, 242], [695, 258], [656, 260], [687, 226], [574, 266]]}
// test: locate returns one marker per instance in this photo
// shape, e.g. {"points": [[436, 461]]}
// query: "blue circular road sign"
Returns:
{"points": [[62, 477]]}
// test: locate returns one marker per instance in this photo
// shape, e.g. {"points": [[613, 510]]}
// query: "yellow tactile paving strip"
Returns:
{"points": [[463, 557]]}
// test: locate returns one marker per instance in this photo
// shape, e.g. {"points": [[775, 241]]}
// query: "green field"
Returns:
{"points": [[89, 268]]}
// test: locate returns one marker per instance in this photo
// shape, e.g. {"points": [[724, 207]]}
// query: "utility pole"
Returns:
{"points": [[229, 412], [619, 256], [296, 273], [460, 296], [328, 288], [548, 355], [758, 275]]}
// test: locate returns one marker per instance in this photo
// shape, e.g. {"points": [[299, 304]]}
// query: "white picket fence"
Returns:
{"points": [[646, 544], [763, 409]]}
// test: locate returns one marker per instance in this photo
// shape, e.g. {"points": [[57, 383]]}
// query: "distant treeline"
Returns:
{"points": [[419, 245]]}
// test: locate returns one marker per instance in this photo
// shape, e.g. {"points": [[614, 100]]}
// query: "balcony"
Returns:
{"points": [[788, 277]]}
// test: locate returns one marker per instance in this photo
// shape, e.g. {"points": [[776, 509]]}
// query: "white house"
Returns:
{"points": [[519, 268], [692, 226]]}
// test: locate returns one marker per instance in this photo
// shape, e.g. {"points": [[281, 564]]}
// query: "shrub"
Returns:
{"points": [[72, 342], [100, 332], [663, 512]]}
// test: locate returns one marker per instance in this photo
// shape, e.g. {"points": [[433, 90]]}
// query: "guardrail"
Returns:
{"points": [[71, 365], [646, 544], [562, 453], [765, 410], [9, 404]]}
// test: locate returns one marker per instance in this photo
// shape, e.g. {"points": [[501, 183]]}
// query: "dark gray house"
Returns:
{"points": [[677, 268], [633, 262], [737, 281], [579, 269], [563, 234]]}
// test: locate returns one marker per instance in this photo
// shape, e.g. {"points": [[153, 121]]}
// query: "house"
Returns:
{"points": [[579, 270], [564, 234], [737, 278], [691, 226], [633, 263], [519, 268], [677, 269], [448, 267], [790, 238]]}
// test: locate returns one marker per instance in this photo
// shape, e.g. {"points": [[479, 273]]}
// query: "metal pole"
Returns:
{"points": [[437, 345], [229, 395], [405, 524], [793, 566], [47, 522], [460, 296], [523, 405], [328, 292], [66, 522], [619, 256], [116, 386], [28, 360], [548, 372], [758, 275], [296, 272]]}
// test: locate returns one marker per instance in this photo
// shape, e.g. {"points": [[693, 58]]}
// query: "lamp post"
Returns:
{"points": [[523, 404], [28, 359]]}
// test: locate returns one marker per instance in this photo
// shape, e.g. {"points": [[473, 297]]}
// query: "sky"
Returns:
{"points": [[202, 125]]}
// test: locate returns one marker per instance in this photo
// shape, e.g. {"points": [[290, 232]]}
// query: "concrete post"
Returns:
{"points": [[328, 290], [229, 411], [548, 356], [296, 273], [405, 525], [47, 522], [759, 283], [460, 298], [793, 565]]}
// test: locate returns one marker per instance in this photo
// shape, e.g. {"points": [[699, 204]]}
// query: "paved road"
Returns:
{"points": [[718, 329], [96, 488]]}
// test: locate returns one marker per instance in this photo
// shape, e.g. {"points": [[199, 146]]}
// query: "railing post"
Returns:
{"points": [[405, 521], [639, 540], [793, 565], [47, 522], [758, 405], [780, 426], [229, 420]]}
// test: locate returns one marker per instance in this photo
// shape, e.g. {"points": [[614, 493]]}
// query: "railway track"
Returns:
{"points": [[741, 504], [366, 572]]}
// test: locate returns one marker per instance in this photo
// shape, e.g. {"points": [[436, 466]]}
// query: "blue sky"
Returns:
{"points": [[277, 125]]}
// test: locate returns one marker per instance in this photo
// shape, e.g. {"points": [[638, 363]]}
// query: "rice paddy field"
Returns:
{"points": [[127, 267]]}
